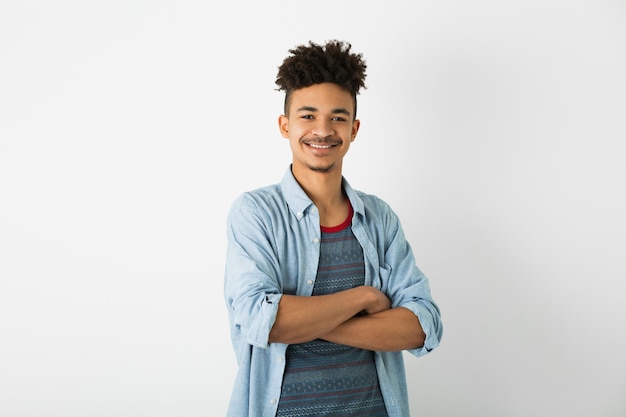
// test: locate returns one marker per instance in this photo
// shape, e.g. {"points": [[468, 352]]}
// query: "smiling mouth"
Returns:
{"points": [[319, 146]]}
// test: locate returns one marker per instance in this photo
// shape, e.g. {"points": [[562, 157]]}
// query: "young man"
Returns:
{"points": [[321, 286]]}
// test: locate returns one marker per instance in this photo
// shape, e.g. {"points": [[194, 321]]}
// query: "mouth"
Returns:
{"points": [[320, 146], [323, 145]]}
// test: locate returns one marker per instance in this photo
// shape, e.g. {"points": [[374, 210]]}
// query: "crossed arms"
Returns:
{"points": [[361, 317]]}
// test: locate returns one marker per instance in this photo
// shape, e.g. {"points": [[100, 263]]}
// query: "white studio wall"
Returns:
{"points": [[495, 129]]}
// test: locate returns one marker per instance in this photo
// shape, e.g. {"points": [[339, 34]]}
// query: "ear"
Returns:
{"points": [[283, 125], [355, 129]]}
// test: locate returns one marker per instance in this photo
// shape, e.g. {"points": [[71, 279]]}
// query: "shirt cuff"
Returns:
{"points": [[431, 329], [262, 322]]}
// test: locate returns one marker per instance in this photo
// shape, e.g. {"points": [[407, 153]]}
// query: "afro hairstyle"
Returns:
{"points": [[313, 64]]}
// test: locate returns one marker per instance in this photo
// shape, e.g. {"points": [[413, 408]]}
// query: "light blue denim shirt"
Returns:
{"points": [[273, 249]]}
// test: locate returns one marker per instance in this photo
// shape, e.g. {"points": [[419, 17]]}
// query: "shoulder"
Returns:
{"points": [[372, 200], [373, 205], [374, 213], [259, 200]]}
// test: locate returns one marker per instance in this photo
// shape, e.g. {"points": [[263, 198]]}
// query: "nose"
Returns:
{"points": [[323, 128]]}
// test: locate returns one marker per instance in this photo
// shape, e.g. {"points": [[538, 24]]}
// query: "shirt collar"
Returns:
{"points": [[298, 202]]}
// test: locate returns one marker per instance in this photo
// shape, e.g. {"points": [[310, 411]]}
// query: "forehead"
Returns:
{"points": [[323, 97]]}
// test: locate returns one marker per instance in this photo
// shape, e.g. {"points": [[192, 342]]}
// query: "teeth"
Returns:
{"points": [[320, 146]]}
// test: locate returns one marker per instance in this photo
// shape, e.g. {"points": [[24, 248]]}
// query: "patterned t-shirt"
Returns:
{"points": [[324, 378]]}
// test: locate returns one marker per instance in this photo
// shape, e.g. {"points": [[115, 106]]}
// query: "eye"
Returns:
{"points": [[338, 119], [307, 116]]}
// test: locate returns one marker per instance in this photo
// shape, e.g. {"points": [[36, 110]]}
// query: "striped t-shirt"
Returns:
{"points": [[323, 378]]}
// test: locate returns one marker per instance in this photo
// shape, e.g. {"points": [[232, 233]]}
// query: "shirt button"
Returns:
{"points": [[310, 282], [273, 401], [315, 240], [299, 214]]}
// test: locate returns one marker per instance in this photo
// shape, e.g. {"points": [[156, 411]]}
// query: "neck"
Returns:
{"points": [[321, 187], [326, 191]]}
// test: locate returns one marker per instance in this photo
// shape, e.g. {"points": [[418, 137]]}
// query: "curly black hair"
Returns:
{"points": [[312, 64]]}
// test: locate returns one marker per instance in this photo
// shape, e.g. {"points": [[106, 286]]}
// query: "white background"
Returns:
{"points": [[496, 130]]}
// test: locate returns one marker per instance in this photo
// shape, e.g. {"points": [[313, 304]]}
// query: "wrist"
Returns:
{"points": [[369, 297]]}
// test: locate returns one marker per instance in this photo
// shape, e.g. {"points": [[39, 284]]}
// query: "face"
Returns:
{"points": [[320, 126]]}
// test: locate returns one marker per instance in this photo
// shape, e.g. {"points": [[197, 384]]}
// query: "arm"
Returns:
{"points": [[302, 319], [389, 330], [404, 283]]}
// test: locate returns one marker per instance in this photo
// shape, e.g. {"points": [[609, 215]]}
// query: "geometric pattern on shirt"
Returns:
{"points": [[323, 378]]}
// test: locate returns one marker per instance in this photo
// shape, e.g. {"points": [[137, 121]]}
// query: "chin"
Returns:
{"points": [[321, 168]]}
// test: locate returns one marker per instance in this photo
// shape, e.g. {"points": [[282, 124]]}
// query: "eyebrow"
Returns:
{"points": [[334, 111]]}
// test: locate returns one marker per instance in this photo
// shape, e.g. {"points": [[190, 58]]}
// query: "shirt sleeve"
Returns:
{"points": [[251, 282], [407, 286]]}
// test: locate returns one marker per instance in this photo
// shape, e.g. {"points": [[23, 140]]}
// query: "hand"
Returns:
{"points": [[378, 301]]}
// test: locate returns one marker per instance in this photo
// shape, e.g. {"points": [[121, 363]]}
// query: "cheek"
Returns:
{"points": [[293, 131], [294, 144]]}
